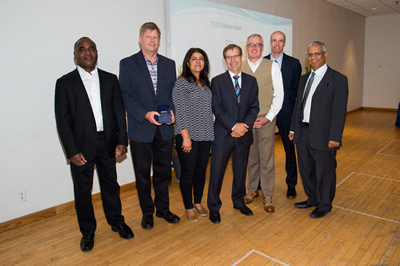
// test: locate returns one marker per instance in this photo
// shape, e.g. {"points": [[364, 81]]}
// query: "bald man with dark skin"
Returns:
{"points": [[91, 123]]}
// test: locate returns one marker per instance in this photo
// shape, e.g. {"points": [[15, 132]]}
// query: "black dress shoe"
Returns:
{"points": [[318, 213], [215, 217], [291, 192], [147, 222], [168, 216], [124, 231], [303, 205], [87, 242], [244, 210]]}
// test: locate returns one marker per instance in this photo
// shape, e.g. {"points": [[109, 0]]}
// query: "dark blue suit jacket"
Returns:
{"points": [[328, 110], [228, 112], [139, 97], [291, 72]]}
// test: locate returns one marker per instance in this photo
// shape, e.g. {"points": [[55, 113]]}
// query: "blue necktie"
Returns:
{"points": [[237, 87]]}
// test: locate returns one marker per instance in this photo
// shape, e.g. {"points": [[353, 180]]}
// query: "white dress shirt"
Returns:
{"points": [[239, 79], [92, 86], [319, 74], [277, 83]]}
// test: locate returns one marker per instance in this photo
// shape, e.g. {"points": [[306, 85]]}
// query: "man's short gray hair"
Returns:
{"points": [[323, 46], [256, 35]]}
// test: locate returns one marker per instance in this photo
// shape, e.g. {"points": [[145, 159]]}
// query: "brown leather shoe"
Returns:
{"points": [[250, 196], [268, 204], [200, 210], [191, 215]]}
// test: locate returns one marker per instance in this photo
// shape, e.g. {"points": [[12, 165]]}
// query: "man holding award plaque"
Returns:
{"points": [[147, 80]]}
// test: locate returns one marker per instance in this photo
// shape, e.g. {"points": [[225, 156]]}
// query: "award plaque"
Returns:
{"points": [[165, 114]]}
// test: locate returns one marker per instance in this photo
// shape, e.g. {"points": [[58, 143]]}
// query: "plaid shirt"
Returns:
{"points": [[153, 72]]}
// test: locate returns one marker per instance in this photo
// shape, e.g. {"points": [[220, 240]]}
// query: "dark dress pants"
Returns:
{"points": [[219, 160], [193, 167], [83, 183], [318, 172], [283, 125], [160, 152]]}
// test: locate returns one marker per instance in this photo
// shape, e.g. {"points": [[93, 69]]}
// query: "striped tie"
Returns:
{"points": [[237, 87], [305, 96]]}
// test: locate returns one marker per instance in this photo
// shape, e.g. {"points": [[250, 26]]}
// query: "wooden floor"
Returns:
{"points": [[362, 229]]}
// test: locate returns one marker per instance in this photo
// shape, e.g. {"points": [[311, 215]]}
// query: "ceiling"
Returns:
{"points": [[370, 8]]}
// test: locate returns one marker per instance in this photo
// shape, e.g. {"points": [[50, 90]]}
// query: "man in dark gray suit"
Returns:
{"points": [[235, 106], [317, 127], [291, 72], [147, 80]]}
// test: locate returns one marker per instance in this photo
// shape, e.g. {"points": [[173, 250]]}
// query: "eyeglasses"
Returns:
{"points": [[317, 54], [255, 44], [234, 57]]}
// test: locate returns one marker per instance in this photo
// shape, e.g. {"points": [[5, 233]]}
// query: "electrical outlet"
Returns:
{"points": [[22, 195]]}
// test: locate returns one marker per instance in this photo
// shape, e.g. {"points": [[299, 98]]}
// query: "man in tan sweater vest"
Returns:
{"points": [[262, 151]]}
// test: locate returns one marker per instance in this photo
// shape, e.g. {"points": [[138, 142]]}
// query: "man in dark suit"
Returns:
{"points": [[91, 123], [317, 127], [291, 72], [235, 106], [147, 80]]}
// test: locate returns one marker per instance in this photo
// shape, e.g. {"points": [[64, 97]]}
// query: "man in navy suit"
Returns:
{"points": [[235, 106], [91, 123], [147, 80], [291, 72], [317, 127]]}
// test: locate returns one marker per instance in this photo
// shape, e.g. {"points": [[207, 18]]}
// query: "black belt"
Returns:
{"points": [[306, 124], [100, 133]]}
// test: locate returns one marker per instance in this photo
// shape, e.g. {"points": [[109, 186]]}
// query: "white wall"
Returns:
{"points": [[382, 62], [37, 40]]}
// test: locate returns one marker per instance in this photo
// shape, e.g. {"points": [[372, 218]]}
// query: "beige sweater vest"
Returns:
{"points": [[264, 80]]}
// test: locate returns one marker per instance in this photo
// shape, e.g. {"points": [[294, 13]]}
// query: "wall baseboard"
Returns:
{"points": [[354, 111], [379, 109], [40, 215]]}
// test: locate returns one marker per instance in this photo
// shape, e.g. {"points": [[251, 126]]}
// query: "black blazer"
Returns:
{"points": [[291, 72], [138, 93], [75, 120], [228, 112], [328, 110]]}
